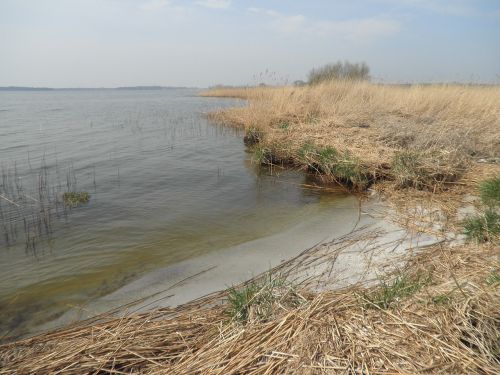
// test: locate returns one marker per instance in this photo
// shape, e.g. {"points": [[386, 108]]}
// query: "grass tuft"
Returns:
{"points": [[240, 301], [262, 155], [483, 228], [74, 199], [407, 169], [390, 293], [252, 137], [493, 278], [489, 191], [425, 170], [284, 125], [341, 166], [441, 299], [258, 301]]}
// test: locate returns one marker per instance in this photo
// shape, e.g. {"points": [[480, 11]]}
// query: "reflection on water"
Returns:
{"points": [[165, 186]]}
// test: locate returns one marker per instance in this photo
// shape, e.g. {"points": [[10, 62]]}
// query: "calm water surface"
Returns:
{"points": [[165, 184]]}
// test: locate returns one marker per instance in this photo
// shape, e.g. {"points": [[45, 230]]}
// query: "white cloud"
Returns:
{"points": [[358, 29], [289, 24], [353, 29], [282, 23], [454, 8], [267, 12], [217, 4], [153, 5]]}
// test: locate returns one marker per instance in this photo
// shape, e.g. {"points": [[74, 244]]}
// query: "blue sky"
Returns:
{"points": [[107, 43]]}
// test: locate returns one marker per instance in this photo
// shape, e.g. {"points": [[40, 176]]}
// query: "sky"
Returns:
{"points": [[198, 43]]}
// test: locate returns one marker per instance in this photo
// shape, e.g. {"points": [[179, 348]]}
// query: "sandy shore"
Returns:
{"points": [[362, 261]]}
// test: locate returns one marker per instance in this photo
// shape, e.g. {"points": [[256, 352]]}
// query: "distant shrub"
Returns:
{"points": [[340, 71]]}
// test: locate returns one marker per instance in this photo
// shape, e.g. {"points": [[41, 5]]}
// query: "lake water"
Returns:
{"points": [[165, 185]]}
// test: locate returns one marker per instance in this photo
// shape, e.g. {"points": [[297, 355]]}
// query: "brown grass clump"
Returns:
{"points": [[443, 318], [416, 136]]}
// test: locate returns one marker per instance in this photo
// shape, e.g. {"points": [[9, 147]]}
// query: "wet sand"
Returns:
{"points": [[359, 262]]}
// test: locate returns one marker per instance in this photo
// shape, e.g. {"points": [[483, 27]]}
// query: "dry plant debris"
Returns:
{"points": [[448, 322]]}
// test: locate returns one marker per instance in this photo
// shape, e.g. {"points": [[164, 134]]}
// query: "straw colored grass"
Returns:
{"points": [[448, 322], [424, 137]]}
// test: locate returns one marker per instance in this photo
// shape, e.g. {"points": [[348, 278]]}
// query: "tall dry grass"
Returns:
{"points": [[423, 136], [448, 324]]}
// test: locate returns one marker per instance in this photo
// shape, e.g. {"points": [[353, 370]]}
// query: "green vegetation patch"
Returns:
{"points": [[442, 299], [407, 169], [489, 191], [426, 170], [252, 137], [342, 166], [486, 226], [259, 301], [240, 301], [483, 228], [262, 155], [493, 278], [389, 293], [74, 199], [284, 125], [312, 117]]}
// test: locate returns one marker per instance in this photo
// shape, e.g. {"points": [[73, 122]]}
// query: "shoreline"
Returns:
{"points": [[187, 337], [185, 281]]}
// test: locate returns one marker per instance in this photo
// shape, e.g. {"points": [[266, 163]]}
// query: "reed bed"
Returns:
{"points": [[31, 201], [423, 136], [444, 318]]}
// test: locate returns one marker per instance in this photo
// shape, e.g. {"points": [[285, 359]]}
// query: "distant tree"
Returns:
{"points": [[299, 83], [340, 71]]}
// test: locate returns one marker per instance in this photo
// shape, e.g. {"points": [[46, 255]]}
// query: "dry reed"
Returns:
{"points": [[425, 136], [450, 325]]}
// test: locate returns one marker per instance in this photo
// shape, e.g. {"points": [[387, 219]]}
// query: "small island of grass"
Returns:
{"points": [[76, 198]]}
